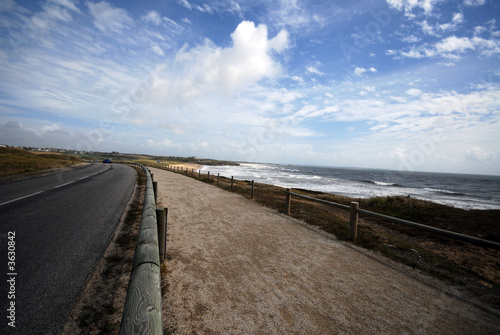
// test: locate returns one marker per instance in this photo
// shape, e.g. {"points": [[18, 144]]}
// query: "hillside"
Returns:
{"points": [[15, 161]]}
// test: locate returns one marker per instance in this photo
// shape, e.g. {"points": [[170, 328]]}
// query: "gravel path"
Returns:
{"points": [[235, 267]]}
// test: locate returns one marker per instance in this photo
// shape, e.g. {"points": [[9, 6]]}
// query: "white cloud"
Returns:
{"points": [[454, 44], [411, 39], [456, 21], [163, 144], [157, 50], [409, 5], [311, 111], [172, 24], [51, 128], [480, 154], [152, 17], [478, 30], [427, 29], [366, 90], [474, 3], [443, 129], [295, 131], [458, 18], [359, 71], [69, 4], [208, 67], [109, 18], [41, 133], [186, 4], [452, 47], [45, 20], [298, 16], [414, 92], [438, 29], [204, 9], [314, 70], [216, 6]]}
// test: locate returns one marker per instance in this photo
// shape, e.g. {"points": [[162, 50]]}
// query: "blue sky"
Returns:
{"points": [[396, 84]]}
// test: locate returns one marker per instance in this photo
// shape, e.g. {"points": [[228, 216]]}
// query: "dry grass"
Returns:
{"points": [[15, 161]]}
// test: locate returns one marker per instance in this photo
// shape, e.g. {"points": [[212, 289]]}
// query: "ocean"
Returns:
{"points": [[457, 190]]}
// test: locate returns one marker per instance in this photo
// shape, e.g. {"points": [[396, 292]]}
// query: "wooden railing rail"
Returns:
{"points": [[353, 222], [142, 313]]}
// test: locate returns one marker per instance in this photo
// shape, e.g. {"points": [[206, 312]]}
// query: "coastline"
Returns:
{"points": [[468, 192], [456, 262], [188, 166]]}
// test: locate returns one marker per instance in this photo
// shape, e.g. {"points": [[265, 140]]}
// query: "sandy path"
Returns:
{"points": [[235, 267]]}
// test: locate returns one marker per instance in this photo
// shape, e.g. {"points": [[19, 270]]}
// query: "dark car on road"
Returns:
{"points": [[106, 161]]}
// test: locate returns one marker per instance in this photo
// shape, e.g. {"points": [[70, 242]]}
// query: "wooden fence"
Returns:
{"points": [[142, 313], [354, 214], [186, 171], [353, 221]]}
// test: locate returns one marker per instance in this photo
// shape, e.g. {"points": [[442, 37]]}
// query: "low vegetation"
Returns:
{"points": [[18, 161], [15, 161]]}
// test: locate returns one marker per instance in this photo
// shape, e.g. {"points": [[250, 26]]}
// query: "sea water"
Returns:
{"points": [[457, 190]]}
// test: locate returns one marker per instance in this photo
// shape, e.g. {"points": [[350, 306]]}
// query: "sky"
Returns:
{"points": [[396, 84]]}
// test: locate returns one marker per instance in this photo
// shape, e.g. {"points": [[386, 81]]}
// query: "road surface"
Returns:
{"points": [[56, 227]]}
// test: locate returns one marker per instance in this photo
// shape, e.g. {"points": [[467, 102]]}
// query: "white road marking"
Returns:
{"points": [[71, 182], [26, 196]]}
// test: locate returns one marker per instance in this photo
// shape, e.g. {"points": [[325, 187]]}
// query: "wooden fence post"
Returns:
{"points": [[208, 175], [160, 223], [353, 221], [288, 201], [218, 179], [199, 173], [251, 193], [155, 189], [165, 235], [232, 182]]}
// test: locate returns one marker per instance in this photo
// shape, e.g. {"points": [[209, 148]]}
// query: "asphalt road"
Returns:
{"points": [[58, 226]]}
